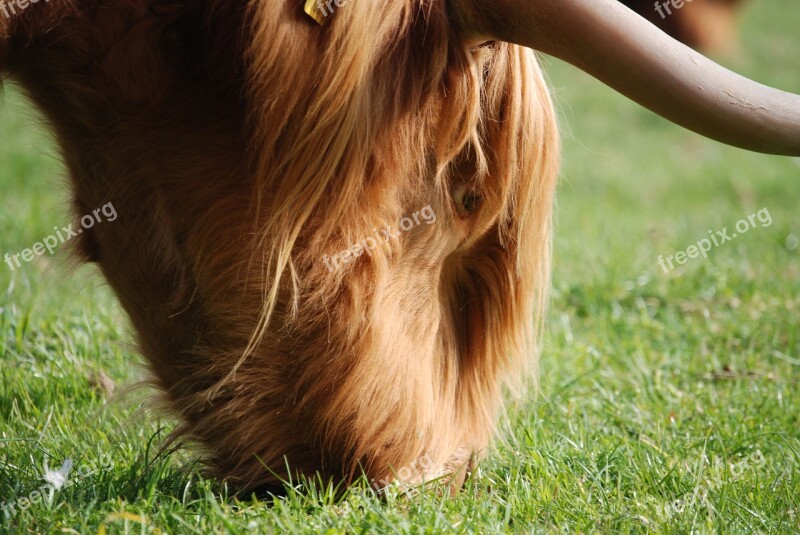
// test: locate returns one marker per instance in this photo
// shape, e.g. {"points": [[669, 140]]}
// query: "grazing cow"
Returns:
{"points": [[707, 25], [333, 235]]}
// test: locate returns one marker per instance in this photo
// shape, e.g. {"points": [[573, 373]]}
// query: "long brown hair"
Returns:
{"points": [[362, 121]]}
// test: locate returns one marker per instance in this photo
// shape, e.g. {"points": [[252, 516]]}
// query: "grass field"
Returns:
{"points": [[669, 401]]}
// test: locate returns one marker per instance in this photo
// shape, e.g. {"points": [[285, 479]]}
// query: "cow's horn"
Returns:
{"points": [[616, 46]]}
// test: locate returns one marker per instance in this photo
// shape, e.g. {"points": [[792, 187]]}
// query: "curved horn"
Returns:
{"points": [[624, 51]]}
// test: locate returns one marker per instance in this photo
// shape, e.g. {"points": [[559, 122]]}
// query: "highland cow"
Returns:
{"points": [[707, 25], [241, 143]]}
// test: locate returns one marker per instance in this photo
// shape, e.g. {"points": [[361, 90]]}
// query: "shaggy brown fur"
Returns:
{"points": [[707, 25], [241, 142]]}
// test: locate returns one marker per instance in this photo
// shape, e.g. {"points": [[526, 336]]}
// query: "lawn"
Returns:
{"points": [[669, 398]]}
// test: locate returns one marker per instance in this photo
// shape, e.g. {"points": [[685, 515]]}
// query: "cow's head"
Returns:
{"points": [[255, 159]]}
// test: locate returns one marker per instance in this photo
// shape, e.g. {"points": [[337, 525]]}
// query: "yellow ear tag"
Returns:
{"points": [[314, 11]]}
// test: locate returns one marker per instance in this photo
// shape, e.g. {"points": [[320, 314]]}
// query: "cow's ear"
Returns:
{"points": [[615, 45]]}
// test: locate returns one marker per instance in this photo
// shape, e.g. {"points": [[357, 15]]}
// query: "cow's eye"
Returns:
{"points": [[466, 200]]}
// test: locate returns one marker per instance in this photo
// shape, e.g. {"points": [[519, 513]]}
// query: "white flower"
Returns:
{"points": [[57, 478]]}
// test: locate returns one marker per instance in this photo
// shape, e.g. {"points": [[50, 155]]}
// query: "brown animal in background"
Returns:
{"points": [[707, 25], [244, 146]]}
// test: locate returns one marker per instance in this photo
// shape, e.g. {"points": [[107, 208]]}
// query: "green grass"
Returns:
{"points": [[655, 387]]}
